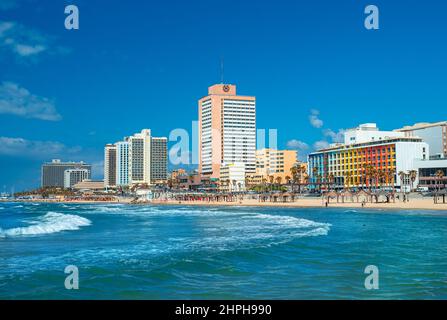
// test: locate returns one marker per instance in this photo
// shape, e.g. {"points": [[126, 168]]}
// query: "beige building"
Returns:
{"points": [[275, 163], [227, 130]]}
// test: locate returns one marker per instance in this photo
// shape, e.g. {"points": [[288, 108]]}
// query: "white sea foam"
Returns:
{"points": [[52, 222]]}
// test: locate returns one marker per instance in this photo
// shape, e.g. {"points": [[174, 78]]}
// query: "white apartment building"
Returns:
{"points": [[232, 177], [140, 157], [122, 163], [74, 176], [369, 132], [435, 134]]}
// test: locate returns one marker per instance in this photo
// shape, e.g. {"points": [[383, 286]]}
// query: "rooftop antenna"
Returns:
{"points": [[221, 70]]}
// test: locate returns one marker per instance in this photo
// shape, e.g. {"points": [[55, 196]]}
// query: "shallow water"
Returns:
{"points": [[174, 252]]}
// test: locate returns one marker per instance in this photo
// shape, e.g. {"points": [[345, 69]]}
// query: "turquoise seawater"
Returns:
{"points": [[180, 252]]}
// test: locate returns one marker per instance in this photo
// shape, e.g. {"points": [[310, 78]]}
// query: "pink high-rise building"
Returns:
{"points": [[227, 130]]}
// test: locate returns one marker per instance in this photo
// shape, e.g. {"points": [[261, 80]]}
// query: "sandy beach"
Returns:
{"points": [[412, 204]]}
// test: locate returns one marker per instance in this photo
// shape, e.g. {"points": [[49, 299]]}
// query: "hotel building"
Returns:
{"points": [[435, 134], [122, 163], [347, 165], [227, 130], [110, 166], [159, 160], [139, 159], [74, 176], [53, 173]]}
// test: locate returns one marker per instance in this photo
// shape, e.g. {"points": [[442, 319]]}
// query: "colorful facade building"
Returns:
{"points": [[374, 164]]}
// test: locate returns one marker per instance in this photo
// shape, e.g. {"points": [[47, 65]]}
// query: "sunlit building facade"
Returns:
{"points": [[376, 163], [227, 130]]}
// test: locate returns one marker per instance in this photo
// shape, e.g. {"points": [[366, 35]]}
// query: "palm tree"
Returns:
{"points": [[287, 178], [278, 181], [294, 172], [369, 173], [271, 179], [331, 178], [381, 174], [348, 176], [439, 175], [413, 175], [402, 176], [264, 182], [315, 175]]}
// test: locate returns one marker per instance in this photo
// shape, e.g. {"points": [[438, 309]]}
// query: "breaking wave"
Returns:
{"points": [[51, 222]]}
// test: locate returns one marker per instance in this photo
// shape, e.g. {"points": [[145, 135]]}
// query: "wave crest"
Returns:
{"points": [[51, 222]]}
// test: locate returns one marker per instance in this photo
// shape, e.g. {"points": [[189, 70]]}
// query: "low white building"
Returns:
{"points": [[74, 176], [232, 177], [427, 173], [369, 132]]}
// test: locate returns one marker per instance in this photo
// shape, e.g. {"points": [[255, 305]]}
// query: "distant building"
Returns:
{"points": [[232, 177], [227, 130], [368, 132], [427, 173], [435, 134], [53, 173], [139, 159], [74, 176], [110, 166], [275, 163], [159, 160], [122, 163]]}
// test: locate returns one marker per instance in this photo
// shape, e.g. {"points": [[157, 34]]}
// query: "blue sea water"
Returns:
{"points": [[180, 252]]}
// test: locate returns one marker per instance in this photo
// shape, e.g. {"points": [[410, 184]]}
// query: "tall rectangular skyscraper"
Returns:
{"points": [[227, 130], [110, 166], [122, 163], [139, 159], [159, 160]]}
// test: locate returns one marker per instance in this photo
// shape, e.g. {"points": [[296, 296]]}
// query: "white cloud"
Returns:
{"points": [[27, 50], [19, 101], [23, 42], [336, 137], [322, 144], [297, 144], [314, 120], [20, 147]]}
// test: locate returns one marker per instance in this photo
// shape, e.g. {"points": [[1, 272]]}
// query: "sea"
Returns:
{"points": [[123, 251]]}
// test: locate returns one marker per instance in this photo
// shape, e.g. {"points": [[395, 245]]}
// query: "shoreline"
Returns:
{"points": [[413, 204]]}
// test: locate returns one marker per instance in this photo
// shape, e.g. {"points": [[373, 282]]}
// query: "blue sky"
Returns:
{"points": [[313, 67]]}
